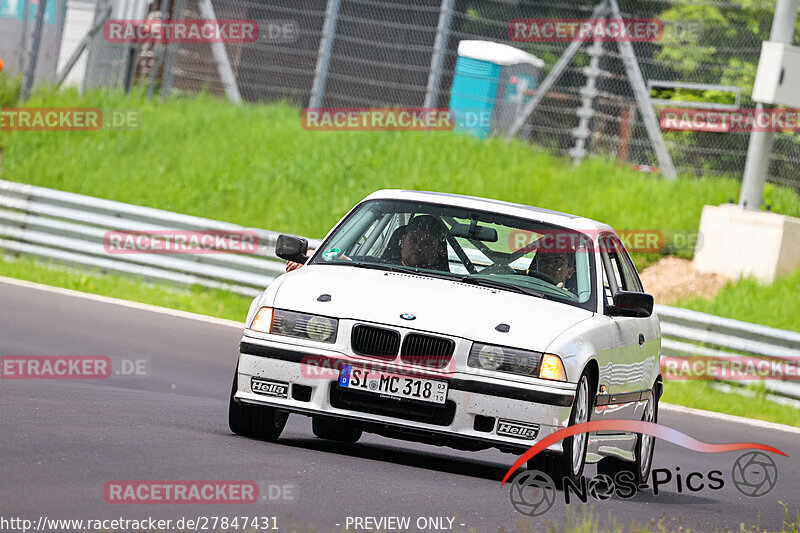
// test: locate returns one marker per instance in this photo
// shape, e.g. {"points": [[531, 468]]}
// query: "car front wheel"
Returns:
{"points": [[265, 423], [638, 470], [569, 464]]}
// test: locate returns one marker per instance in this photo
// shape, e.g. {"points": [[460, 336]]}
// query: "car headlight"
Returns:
{"points": [[514, 361], [280, 322]]}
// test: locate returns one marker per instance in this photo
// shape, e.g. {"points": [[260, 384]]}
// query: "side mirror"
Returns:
{"points": [[635, 304], [292, 248]]}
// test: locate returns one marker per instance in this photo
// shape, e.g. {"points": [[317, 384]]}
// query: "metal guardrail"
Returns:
{"points": [[69, 228], [687, 333]]}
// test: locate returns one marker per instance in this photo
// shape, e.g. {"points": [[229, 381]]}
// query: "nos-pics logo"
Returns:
{"points": [[533, 493]]}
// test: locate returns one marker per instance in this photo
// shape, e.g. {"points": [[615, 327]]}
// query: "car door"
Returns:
{"points": [[632, 355]]}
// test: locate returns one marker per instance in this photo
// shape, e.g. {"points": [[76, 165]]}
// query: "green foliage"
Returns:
{"points": [[724, 52], [255, 165], [9, 95], [197, 299], [773, 305], [700, 395], [9, 90]]}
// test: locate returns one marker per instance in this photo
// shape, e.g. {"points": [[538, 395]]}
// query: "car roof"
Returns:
{"points": [[497, 206]]}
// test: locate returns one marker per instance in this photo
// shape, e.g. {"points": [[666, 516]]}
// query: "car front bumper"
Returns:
{"points": [[312, 375]]}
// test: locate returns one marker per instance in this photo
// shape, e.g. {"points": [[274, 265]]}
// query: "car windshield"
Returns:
{"points": [[465, 245]]}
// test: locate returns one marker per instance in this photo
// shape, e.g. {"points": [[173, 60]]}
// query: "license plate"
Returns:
{"points": [[397, 386]]}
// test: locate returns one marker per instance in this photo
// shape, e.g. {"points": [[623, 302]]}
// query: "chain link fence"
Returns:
{"points": [[378, 53]]}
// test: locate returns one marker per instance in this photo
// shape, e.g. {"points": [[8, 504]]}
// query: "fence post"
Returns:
{"points": [[36, 42], [758, 151], [171, 54], [551, 78], [642, 95], [324, 56], [439, 53], [23, 44], [221, 57], [158, 52], [588, 93]]}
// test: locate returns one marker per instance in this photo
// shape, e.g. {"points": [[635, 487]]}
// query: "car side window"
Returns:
{"points": [[622, 262], [621, 267], [629, 272], [616, 266]]}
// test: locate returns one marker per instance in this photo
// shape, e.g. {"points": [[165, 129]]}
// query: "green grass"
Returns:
{"points": [[196, 299], [255, 165], [585, 520], [775, 305], [700, 395]]}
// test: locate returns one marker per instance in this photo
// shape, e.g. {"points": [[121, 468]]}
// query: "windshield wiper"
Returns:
{"points": [[501, 285], [381, 266], [398, 269]]}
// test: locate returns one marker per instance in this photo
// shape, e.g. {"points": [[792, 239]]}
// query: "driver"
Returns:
{"points": [[423, 244], [556, 265]]}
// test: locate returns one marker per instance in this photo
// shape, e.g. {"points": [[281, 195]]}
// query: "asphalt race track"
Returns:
{"points": [[61, 441]]}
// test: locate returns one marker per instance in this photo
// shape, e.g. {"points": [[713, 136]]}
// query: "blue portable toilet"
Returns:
{"points": [[489, 86]]}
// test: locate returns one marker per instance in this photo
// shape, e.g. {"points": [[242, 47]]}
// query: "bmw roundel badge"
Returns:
{"points": [[407, 316]]}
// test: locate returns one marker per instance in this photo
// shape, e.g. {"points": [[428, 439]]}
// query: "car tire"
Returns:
{"points": [[258, 422], [338, 430], [570, 464], [640, 468]]}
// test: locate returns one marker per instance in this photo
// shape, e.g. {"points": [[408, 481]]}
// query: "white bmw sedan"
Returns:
{"points": [[457, 321]]}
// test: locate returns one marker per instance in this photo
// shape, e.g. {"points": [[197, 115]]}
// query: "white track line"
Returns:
{"points": [[124, 303], [239, 325]]}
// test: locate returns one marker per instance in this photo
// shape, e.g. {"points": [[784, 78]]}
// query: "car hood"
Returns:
{"points": [[440, 306]]}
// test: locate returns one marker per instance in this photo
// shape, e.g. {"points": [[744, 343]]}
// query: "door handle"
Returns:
{"points": [[641, 339]]}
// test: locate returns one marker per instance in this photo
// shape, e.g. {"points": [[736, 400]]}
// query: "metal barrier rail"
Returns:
{"points": [[688, 333], [70, 227]]}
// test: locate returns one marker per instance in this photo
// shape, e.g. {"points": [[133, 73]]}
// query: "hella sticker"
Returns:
{"points": [[277, 389], [519, 430]]}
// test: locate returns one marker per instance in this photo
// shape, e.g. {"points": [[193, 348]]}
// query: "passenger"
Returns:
{"points": [[555, 265]]}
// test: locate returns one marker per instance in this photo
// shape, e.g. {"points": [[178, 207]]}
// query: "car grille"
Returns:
{"points": [[427, 350], [375, 342], [437, 415]]}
